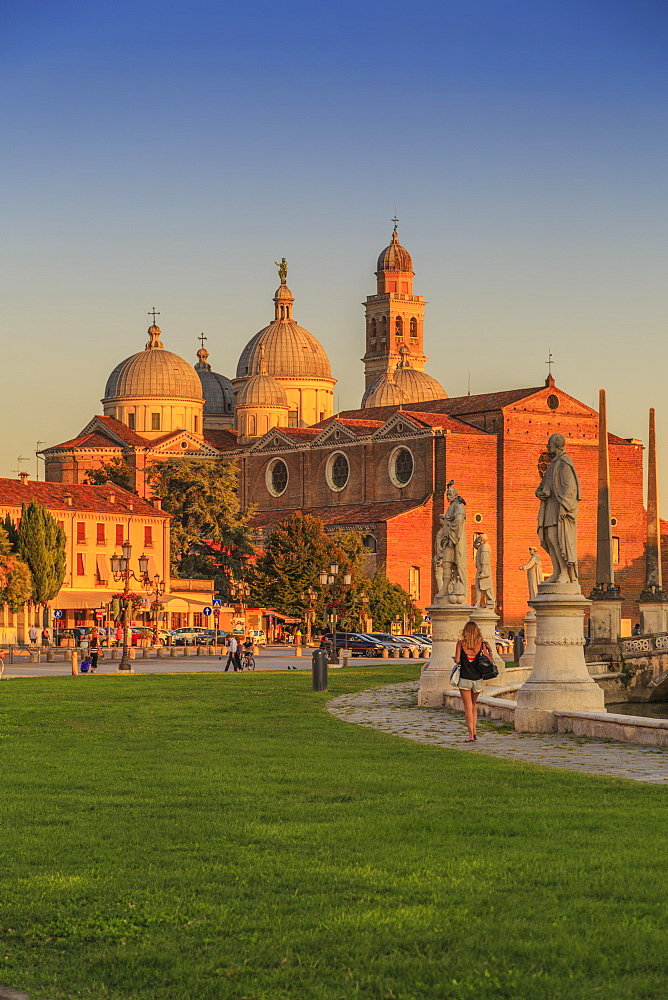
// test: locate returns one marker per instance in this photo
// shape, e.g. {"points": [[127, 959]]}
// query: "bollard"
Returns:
{"points": [[34, 657], [11, 653], [405, 653], [199, 649], [211, 650], [132, 653], [160, 652], [298, 650], [145, 653], [319, 669], [394, 653], [518, 648], [173, 651], [75, 663], [49, 655], [116, 653], [425, 651], [385, 654]]}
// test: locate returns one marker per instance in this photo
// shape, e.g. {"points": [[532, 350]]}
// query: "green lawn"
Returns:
{"points": [[222, 836]]}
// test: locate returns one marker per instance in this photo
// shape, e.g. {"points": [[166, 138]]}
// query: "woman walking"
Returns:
{"points": [[470, 683]]}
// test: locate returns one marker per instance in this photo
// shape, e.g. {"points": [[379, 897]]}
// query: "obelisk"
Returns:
{"points": [[653, 603], [605, 615]]}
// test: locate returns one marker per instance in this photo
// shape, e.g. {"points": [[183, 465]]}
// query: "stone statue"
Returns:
{"points": [[282, 270], [559, 495], [534, 570], [484, 580], [450, 550]]}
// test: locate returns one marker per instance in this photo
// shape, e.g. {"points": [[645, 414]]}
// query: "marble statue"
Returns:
{"points": [[484, 580], [282, 270], [450, 550], [559, 495], [534, 571]]}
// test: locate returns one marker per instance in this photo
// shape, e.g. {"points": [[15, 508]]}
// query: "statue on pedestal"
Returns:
{"points": [[450, 550], [559, 495], [484, 580], [534, 571]]}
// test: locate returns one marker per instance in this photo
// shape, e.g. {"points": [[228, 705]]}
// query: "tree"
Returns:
{"points": [[388, 601], [115, 471], [210, 533], [295, 554], [15, 579], [41, 543]]}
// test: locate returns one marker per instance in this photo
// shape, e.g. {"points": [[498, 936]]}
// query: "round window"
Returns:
{"points": [[477, 518], [553, 401], [277, 477], [613, 522], [401, 466], [338, 471]]}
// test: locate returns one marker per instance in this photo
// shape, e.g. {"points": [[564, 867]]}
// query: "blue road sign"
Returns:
{"points": [[206, 611], [57, 614], [217, 603]]}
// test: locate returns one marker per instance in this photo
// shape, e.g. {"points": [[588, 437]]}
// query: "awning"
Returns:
{"points": [[103, 573], [80, 599], [176, 604], [284, 618]]}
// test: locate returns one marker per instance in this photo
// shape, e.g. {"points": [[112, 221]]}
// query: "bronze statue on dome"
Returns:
{"points": [[282, 270]]}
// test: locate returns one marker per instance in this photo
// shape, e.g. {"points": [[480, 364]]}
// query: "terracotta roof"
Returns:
{"points": [[89, 498], [444, 421], [123, 431], [459, 405], [223, 440], [349, 514], [86, 441]]}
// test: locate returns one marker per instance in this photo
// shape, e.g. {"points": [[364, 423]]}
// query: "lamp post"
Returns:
{"points": [[156, 588], [309, 596], [120, 567], [330, 579], [240, 592]]}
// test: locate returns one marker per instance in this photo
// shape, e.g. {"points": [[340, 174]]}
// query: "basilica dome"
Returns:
{"points": [[261, 390], [416, 385], [154, 372], [384, 392], [395, 257], [217, 390]]}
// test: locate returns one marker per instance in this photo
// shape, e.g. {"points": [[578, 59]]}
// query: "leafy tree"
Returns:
{"points": [[387, 601], [210, 533], [12, 533], [15, 579], [295, 554], [41, 543], [115, 471]]}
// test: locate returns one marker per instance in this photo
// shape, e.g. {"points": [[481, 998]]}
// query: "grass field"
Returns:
{"points": [[222, 836]]}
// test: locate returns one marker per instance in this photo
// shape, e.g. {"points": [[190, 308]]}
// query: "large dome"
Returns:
{"points": [[395, 257], [262, 390], [418, 386], [154, 372], [289, 350], [217, 390]]}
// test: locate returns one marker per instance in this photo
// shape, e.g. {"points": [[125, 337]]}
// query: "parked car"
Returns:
{"points": [[503, 645], [358, 643], [212, 637], [258, 636], [397, 641], [140, 632], [421, 638], [186, 636]]}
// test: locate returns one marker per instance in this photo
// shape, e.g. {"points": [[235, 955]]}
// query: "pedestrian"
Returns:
{"points": [[46, 637], [233, 655], [32, 635], [470, 681], [119, 635], [94, 650]]}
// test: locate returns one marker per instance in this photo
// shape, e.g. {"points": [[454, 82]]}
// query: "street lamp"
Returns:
{"points": [[329, 579], [120, 567], [156, 588], [310, 595]]}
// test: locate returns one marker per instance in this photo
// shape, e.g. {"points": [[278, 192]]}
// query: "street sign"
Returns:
{"points": [[217, 603], [216, 612], [57, 614], [99, 615], [206, 611]]}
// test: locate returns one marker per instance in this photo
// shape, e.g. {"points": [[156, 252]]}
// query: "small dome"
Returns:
{"points": [[418, 387], [395, 257], [154, 372], [217, 390], [262, 390], [290, 350], [384, 392]]}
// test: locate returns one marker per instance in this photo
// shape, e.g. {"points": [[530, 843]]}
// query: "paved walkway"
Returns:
{"points": [[393, 709]]}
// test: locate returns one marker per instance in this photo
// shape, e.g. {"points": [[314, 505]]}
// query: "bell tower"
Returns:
{"points": [[394, 316]]}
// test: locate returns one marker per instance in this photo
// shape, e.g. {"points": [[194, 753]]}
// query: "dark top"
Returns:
{"points": [[469, 669]]}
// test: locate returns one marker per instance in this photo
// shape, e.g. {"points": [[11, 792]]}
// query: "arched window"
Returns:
{"points": [[370, 543], [399, 327], [413, 327], [372, 329], [252, 426], [383, 328]]}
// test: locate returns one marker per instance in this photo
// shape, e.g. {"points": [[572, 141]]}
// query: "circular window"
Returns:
{"points": [[613, 522], [477, 518], [553, 401], [401, 466], [277, 477], [184, 444], [337, 472]]}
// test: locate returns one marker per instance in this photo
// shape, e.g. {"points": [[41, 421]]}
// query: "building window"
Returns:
{"points": [[100, 536], [404, 288], [81, 564], [131, 421], [198, 619], [120, 535], [370, 543], [148, 536], [414, 582], [196, 424], [391, 286], [81, 532], [372, 329], [277, 477], [155, 421], [413, 327], [293, 418], [337, 471], [615, 550], [553, 401], [399, 327], [401, 467], [322, 416]]}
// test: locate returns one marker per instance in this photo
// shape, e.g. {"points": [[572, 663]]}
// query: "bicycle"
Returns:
{"points": [[247, 661]]}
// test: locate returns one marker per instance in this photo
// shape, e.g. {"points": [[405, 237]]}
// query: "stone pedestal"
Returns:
{"points": [[605, 629], [559, 678], [653, 617], [447, 620], [528, 656], [486, 619]]}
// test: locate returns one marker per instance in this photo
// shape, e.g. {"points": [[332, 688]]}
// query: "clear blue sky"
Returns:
{"points": [[167, 153]]}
